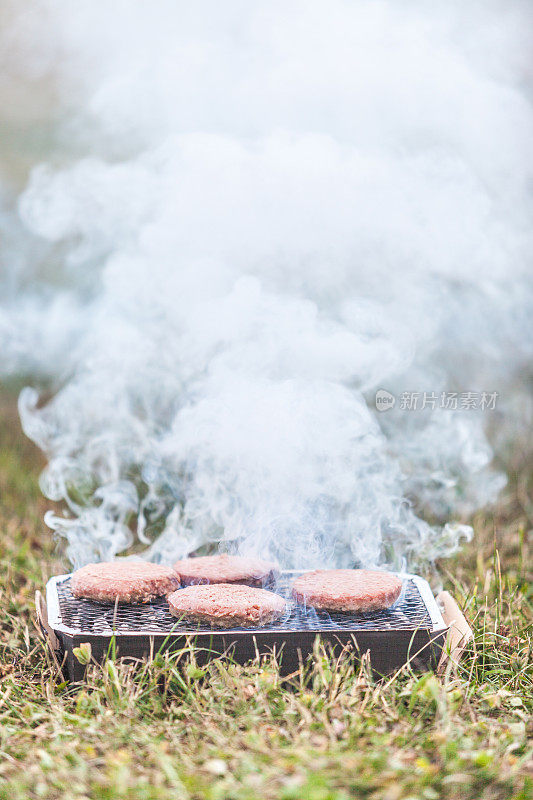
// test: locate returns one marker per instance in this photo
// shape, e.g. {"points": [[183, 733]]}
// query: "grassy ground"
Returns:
{"points": [[232, 733]]}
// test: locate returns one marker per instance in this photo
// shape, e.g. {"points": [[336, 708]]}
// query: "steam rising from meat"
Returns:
{"points": [[265, 214]]}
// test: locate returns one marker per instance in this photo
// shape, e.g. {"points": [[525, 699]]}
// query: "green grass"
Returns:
{"points": [[173, 730]]}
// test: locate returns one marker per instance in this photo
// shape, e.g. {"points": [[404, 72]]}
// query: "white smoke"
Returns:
{"points": [[264, 214]]}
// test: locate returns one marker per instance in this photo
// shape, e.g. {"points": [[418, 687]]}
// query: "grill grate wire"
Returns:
{"points": [[89, 616]]}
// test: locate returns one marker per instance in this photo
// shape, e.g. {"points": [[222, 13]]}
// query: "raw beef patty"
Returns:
{"points": [[347, 589], [227, 605], [125, 581], [225, 569]]}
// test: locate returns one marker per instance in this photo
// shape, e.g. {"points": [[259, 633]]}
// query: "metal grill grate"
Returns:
{"points": [[88, 616]]}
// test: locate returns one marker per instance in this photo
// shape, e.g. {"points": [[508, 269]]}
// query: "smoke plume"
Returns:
{"points": [[252, 218]]}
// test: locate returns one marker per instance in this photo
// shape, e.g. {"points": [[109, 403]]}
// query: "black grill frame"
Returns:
{"points": [[413, 630]]}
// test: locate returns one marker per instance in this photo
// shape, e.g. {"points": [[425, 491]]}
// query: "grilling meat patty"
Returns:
{"points": [[347, 589], [225, 569], [227, 605], [125, 581]]}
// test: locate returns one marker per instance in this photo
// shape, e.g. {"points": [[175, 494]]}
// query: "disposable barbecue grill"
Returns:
{"points": [[414, 630]]}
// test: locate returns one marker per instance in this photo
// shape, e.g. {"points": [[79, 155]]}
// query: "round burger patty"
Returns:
{"points": [[347, 589], [227, 605], [125, 581], [225, 569]]}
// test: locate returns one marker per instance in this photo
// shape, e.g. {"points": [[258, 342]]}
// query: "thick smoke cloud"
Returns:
{"points": [[263, 215]]}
